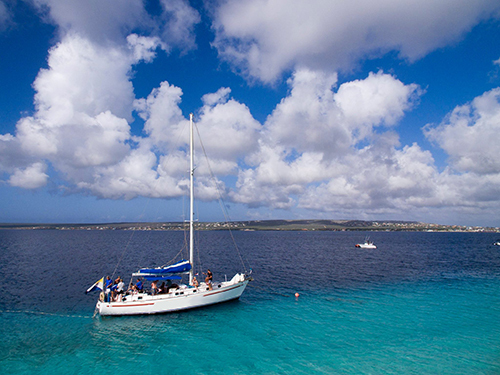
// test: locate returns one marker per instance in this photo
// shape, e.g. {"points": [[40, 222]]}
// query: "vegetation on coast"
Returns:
{"points": [[282, 225]]}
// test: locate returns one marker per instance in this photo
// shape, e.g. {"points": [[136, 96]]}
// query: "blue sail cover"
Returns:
{"points": [[179, 267]]}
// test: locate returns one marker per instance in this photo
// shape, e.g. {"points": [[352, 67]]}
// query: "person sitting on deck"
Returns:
{"points": [[195, 282], [132, 289], [167, 286], [161, 288]]}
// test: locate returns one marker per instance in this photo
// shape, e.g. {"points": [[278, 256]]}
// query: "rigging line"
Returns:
{"points": [[197, 248], [197, 242], [133, 232], [221, 201], [175, 257], [184, 247], [123, 254]]}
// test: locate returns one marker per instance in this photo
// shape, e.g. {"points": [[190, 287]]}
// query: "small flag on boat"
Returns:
{"points": [[98, 285]]}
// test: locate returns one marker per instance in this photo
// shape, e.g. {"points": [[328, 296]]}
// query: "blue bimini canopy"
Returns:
{"points": [[160, 278], [179, 267]]}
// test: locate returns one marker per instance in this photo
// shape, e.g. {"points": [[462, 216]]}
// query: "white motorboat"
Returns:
{"points": [[177, 296], [366, 245]]}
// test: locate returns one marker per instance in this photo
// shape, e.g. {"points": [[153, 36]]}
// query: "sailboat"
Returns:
{"points": [[179, 296]]}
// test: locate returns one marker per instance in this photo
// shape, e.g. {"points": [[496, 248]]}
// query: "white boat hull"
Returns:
{"points": [[366, 246], [176, 300]]}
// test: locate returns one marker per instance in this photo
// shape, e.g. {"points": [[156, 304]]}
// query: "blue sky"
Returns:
{"points": [[375, 111]]}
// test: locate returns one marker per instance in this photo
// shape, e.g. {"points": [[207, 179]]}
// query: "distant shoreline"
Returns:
{"points": [[265, 225]]}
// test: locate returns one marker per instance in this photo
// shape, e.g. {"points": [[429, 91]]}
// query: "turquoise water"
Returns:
{"points": [[399, 310]]}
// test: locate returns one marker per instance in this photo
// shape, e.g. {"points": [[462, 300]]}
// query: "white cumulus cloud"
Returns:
{"points": [[471, 134], [227, 128], [179, 20], [312, 136], [31, 177], [263, 38], [108, 22], [83, 101], [163, 117], [144, 47], [378, 99], [99, 21]]}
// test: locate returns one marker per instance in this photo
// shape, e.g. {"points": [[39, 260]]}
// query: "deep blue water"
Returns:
{"points": [[422, 303]]}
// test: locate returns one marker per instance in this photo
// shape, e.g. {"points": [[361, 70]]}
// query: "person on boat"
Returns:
{"points": [[154, 288], [114, 289], [139, 285], [120, 286], [107, 289], [109, 282], [208, 279], [195, 282], [132, 289], [117, 290], [161, 288], [167, 286]]}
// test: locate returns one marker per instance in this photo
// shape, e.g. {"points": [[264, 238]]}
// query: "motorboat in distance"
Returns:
{"points": [[366, 245]]}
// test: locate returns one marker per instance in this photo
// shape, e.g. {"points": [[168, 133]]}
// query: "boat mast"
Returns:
{"points": [[191, 200]]}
